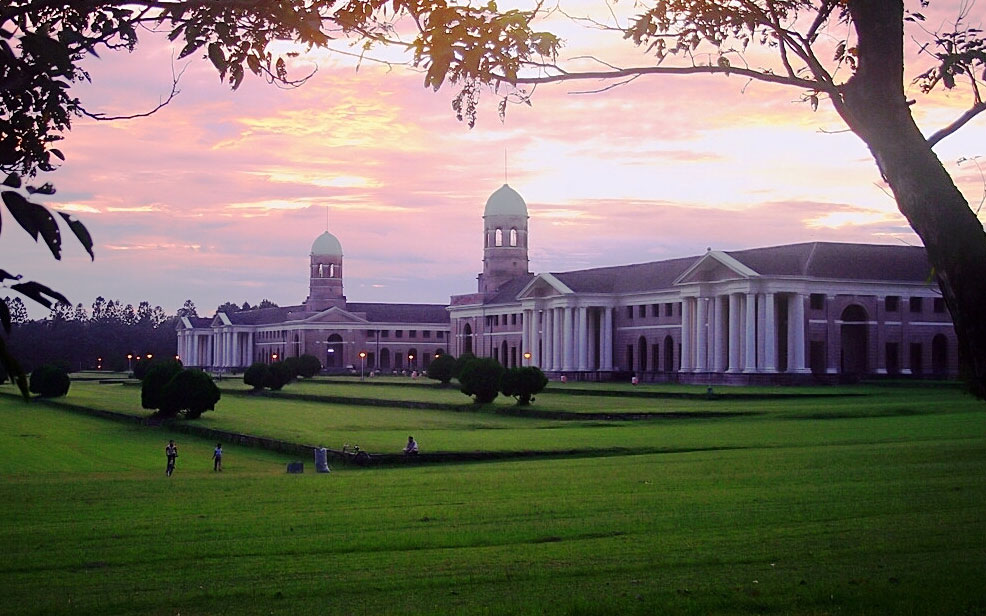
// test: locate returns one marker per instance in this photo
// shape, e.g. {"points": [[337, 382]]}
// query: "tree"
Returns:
{"points": [[480, 377], [308, 366], [50, 381], [441, 368], [157, 378], [190, 391], [460, 363], [228, 308], [278, 376], [523, 384], [256, 376], [266, 303], [188, 309]]}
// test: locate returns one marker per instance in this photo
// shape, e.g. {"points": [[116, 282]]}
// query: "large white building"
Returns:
{"points": [[794, 313]]}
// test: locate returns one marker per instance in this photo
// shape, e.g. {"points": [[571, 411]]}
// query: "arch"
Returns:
{"points": [[854, 340], [385, 358], [413, 359], [333, 271], [498, 237], [642, 353], [467, 339], [513, 236], [668, 354], [333, 351], [939, 355], [321, 271]]}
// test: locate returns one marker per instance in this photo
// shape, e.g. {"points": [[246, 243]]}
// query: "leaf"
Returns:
{"points": [[217, 57], [80, 232], [14, 370], [45, 189], [38, 291], [58, 153], [5, 275], [13, 180], [36, 220]]}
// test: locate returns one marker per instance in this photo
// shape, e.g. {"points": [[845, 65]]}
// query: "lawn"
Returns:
{"points": [[874, 514]]}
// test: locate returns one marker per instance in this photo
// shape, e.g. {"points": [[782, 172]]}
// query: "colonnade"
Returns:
{"points": [[218, 349], [569, 338], [740, 333]]}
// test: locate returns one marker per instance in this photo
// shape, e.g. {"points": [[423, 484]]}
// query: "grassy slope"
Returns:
{"points": [[867, 515]]}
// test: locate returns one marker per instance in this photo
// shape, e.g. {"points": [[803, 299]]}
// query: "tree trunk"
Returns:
{"points": [[877, 110]]}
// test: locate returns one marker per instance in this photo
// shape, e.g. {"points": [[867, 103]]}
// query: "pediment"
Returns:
{"points": [[335, 315], [544, 285], [220, 320], [715, 266]]}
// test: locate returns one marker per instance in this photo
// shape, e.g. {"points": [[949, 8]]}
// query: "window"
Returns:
{"points": [[916, 304], [669, 309], [384, 333], [939, 305], [440, 335], [916, 356], [513, 237], [892, 303], [398, 333], [498, 237], [629, 312], [893, 358], [817, 301], [426, 334], [412, 334], [642, 311], [513, 319], [655, 310]]}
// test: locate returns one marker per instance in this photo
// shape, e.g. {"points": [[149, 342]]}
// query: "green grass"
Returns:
{"points": [[870, 515]]}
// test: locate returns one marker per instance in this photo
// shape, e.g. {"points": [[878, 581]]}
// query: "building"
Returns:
{"points": [[344, 336], [782, 314], [817, 311]]}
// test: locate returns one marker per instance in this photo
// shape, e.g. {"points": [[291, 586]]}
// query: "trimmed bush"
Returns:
{"points": [[441, 369], [523, 384], [156, 378], [142, 366], [278, 375], [460, 362], [49, 381], [256, 376], [190, 391], [308, 366], [480, 378], [293, 364]]}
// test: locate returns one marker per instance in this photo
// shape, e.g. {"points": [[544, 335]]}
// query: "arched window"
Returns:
{"points": [[513, 237], [498, 237], [332, 270], [467, 339], [333, 351], [642, 353], [321, 271]]}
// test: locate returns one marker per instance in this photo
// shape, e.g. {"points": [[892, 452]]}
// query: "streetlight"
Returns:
{"points": [[410, 361], [362, 364], [130, 358], [149, 356], [274, 357], [99, 363], [527, 356]]}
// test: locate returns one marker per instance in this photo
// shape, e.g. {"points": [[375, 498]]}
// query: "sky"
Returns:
{"points": [[218, 196]]}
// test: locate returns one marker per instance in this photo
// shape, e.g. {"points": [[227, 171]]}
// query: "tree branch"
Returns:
{"points": [[105, 118], [669, 70], [959, 122]]}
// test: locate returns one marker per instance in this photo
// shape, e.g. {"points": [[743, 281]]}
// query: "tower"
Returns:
{"points": [[325, 282], [504, 239]]}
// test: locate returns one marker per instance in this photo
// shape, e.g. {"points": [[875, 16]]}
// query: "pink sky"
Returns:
{"points": [[219, 196]]}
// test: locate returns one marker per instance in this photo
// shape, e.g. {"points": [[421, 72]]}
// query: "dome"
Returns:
{"points": [[505, 202], [326, 245]]}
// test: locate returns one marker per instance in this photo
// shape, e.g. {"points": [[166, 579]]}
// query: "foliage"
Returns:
{"points": [[190, 391], [278, 376], [155, 380], [441, 368], [50, 381], [293, 365], [460, 363], [256, 375], [308, 366], [142, 366], [523, 384], [228, 308], [480, 378]]}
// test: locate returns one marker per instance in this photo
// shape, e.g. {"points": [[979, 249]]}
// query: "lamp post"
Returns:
{"points": [[274, 357], [410, 361], [150, 356], [130, 359], [362, 364], [527, 357], [99, 363]]}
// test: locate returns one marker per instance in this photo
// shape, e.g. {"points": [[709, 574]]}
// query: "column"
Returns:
{"points": [[750, 361], [833, 343], [593, 333], [535, 337], [701, 339], [721, 331], [796, 334], [734, 333], [549, 339], [685, 364], [250, 349], [770, 334], [583, 329], [568, 351], [525, 335], [606, 339]]}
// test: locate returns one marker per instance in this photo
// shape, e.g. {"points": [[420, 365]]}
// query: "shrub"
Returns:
{"points": [[441, 369], [156, 378], [191, 391], [293, 365], [278, 375], [141, 367], [481, 378], [523, 384], [49, 381], [460, 362], [308, 366], [256, 376]]}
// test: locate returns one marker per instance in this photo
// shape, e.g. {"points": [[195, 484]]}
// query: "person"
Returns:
{"points": [[172, 452], [217, 457], [411, 449]]}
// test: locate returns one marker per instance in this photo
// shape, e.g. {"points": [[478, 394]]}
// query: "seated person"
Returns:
{"points": [[411, 449]]}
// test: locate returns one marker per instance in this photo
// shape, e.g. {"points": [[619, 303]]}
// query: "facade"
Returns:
{"points": [[817, 311], [390, 337]]}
